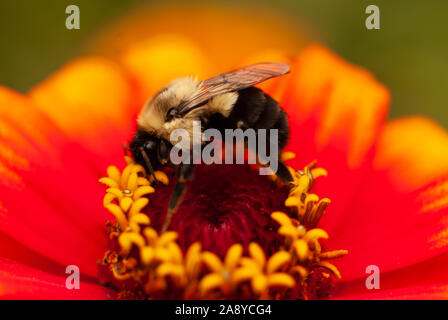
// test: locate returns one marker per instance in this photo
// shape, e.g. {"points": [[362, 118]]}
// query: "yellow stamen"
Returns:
{"points": [[151, 235], [143, 181], [301, 270], [137, 220], [318, 172], [158, 263], [233, 256], [212, 262], [146, 255], [132, 181], [162, 254], [126, 203], [292, 202], [119, 215], [116, 192], [330, 267], [289, 231], [125, 177], [333, 254], [250, 263], [109, 182], [108, 198], [278, 260], [137, 206], [142, 191], [281, 218], [288, 156], [281, 279], [193, 260], [127, 239], [316, 234], [176, 253], [170, 269], [242, 274], [120, 276], [167, 237], [161, 177], [301, 247], [138, 169], [113, 173], [259, 283], [257, 253], [211, 281]]}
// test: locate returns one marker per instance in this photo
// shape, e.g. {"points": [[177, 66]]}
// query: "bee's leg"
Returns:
{"points": [[148, 164], [284, 174], [185, 172]]}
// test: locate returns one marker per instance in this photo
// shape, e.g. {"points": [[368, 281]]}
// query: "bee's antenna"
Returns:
{"points": [[148, 164], [126, 149]]}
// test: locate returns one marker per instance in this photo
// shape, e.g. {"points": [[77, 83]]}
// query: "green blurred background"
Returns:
{"points": [[409, 53]]}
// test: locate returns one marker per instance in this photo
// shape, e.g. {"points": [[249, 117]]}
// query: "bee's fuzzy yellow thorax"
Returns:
{"points": [[153, 115]]}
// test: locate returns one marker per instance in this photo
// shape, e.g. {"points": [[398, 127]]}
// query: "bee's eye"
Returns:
{"points": [[150, 145], [170, 114]]}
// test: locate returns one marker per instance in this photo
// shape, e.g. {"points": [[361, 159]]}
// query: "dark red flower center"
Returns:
{"points": [[236, 234], [224, 204]]}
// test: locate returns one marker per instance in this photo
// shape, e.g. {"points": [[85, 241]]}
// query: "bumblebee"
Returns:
{"points": [[226, 101]]}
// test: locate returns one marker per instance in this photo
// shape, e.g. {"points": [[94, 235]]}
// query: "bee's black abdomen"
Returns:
{"points": [[269, 117], [256, 110], [248, 108], [283, 129]]}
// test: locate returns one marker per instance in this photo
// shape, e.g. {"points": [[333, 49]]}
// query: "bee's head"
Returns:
{"points": [[143, 145], [157, 113]]}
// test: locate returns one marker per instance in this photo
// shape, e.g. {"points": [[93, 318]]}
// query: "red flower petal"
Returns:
{"points": [[342, 105], [50, 199], [413, 151], [436, 291], [155, 62], [393, 226], [336, 112], [21, 282], [424, 278], [390, 229], [12, 250], [92, 101]]}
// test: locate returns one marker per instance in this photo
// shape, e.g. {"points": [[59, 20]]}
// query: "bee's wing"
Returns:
{"points": [[233, 81]]}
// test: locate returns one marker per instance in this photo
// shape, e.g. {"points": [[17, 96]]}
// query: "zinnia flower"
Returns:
{"points": [[377, 195]]}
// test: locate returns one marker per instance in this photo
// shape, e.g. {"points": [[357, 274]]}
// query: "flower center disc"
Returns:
{"points": [[224, 204], [230, 237]]}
